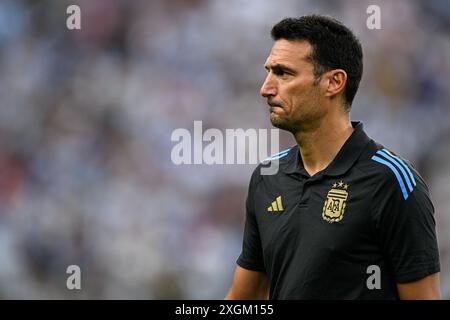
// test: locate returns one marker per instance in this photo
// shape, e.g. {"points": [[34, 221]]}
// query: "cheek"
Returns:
{"points": [[298, 89], [297, 99], [307, 94], [292, 93]]}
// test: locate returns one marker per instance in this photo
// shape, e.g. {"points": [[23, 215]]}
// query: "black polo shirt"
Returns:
{"points": [[328, 236]]}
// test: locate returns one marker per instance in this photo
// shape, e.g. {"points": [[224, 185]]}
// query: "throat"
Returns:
{"points": [[318, 149], [312, 171]]}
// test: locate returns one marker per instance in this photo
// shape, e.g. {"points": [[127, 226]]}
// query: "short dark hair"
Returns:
{"points": [[334, 46]]}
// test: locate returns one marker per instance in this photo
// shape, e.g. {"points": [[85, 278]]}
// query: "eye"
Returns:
{"points": [[281, 72]]}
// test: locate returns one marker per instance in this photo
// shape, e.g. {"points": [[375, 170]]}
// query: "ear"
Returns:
{"points": [[335, 82]]}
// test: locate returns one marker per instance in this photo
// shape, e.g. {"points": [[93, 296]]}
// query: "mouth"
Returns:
{"points": [[273, 108], [273, 105]]}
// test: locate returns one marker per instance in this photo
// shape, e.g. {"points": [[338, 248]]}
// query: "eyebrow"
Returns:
{"points": [[279, 66]]}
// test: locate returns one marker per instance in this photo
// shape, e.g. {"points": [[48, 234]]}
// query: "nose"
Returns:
{"points": [[268, 88]]}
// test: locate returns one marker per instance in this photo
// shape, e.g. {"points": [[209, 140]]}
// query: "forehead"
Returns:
{"points": [[292, 52]]}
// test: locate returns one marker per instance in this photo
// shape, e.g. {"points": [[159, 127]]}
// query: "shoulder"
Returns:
{"points": [[270, 165], [391, 172]]}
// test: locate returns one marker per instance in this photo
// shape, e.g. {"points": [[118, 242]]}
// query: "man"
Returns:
{"points": [[343, 218]]}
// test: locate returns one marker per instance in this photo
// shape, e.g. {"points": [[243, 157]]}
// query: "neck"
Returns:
{"points": [[319, 146]]}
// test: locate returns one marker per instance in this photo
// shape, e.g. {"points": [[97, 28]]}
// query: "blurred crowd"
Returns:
{"points": [[86, 118]]}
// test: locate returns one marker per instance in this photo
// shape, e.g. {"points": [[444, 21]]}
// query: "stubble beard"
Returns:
{"points": [[281, 123]]}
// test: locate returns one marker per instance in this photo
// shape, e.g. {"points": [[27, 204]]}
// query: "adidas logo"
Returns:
{"points": [[276, 206]]}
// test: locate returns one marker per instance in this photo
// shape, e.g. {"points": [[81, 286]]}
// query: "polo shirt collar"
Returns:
{"points": [[344, 160]]}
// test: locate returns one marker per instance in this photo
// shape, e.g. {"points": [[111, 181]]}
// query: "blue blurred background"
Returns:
{"points": [[86, 118]]}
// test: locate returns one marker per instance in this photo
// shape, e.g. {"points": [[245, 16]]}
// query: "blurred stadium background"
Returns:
{"points": [[86, 118]]}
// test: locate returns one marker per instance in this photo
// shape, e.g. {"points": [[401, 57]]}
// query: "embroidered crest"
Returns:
{"points": [[334, 206]]}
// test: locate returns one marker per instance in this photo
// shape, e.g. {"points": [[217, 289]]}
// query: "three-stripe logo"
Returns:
{"points": [[276, 205], [399, 168]]}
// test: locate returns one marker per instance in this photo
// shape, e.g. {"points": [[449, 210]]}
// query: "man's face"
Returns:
{"points": [[290, 88]]}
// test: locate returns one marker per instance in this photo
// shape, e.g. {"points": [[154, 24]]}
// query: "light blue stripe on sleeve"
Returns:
{"points": [[398, 165], [404, 165], [278, 156], [397, 175]]}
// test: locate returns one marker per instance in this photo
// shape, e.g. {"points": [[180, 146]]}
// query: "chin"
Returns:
{"points": [[279, 123]]}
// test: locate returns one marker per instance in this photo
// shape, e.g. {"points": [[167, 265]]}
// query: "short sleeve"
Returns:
{"points": [[406, 227], [251, 256]]}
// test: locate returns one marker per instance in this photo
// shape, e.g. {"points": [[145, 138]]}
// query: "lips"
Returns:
{"points": [[273, 107], [272, 104]]}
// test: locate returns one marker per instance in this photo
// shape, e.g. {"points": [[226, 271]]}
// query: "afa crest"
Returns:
{"points": [[334, 206]]}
